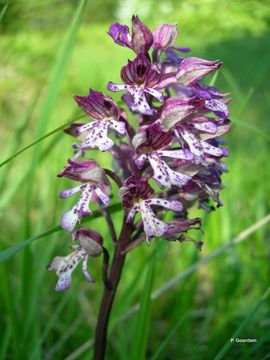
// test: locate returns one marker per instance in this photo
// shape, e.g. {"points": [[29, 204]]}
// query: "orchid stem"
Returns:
{"points": [[109, 292]]}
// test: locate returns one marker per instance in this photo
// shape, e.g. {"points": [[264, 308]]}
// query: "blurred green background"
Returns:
{"points": [[195, 315]]}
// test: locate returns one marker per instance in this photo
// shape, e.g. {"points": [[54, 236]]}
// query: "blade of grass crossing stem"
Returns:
{"points": [[7, 253], [139, 344], [12, 191], [54, 131], [243, 324], [168, 338], [18, 137]]}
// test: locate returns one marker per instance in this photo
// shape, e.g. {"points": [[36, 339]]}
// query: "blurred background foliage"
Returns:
{"points": [[197, 316]]}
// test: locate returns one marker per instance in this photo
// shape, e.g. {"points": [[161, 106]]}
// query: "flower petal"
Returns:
{"points": [[69, 219], [118, 126], [211, 150], [193, 142], [165, 176], [70, 192], [64, 266], [132, 213], [151, 224], [103, 197], [85, 272], [156, 93], [172, 205], [176, 154], [97, 137]]}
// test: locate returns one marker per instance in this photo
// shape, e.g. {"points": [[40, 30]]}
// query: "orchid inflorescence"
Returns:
{"points": [[175, 145]]}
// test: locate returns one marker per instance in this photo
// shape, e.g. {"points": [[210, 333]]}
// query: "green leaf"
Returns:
{"points": [[138, 350], [243, 324], [168, 338], [6, 254]]}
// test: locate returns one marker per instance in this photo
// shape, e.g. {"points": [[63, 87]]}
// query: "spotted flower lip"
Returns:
{"points": [[95, 134], [153, 227], [140, 40], [65, 265], [89, 192], [191, 69], [86, 170], [141, 79], [164, 176]]}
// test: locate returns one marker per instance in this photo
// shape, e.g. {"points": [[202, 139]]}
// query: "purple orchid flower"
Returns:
{"points": [[107, 114], [150, 145], [142, 202], [141, 79], [95, 187], [90, 245]]}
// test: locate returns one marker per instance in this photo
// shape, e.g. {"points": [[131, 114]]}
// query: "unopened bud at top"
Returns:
{"points": [[165, 36]]}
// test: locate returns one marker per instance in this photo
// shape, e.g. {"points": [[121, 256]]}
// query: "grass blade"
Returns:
{"points": [[165, 342], [238, 331], [40, 139], [7, 253], [141, 333]]}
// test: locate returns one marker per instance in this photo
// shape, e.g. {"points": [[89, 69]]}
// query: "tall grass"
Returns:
{"points": [[192, 303]]}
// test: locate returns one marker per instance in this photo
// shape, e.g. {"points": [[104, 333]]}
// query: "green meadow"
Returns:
{"points": [[173, 301]]}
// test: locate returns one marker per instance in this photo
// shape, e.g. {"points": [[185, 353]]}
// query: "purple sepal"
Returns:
{"points": [[165, 36], [84, 171], [192, 69], [142, 38], [98, 106], [120, 34]]}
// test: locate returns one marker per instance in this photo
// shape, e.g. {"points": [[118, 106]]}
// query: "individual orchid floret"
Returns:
{"points": [[165, 36], [178, 108], [95, 187], [191, 69], [140, 40], [153, 227], [90, 240], [212, 99], [107, 114], [207, 182], [90, 244], [149, 144], [179, 227], [141, 79], [196, 133]]}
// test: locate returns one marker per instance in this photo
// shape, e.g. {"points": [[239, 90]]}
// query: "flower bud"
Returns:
{"points": [[142, 38], [86, 170], [178, 108], [165, 36], [192, 69], [90, 241]]}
